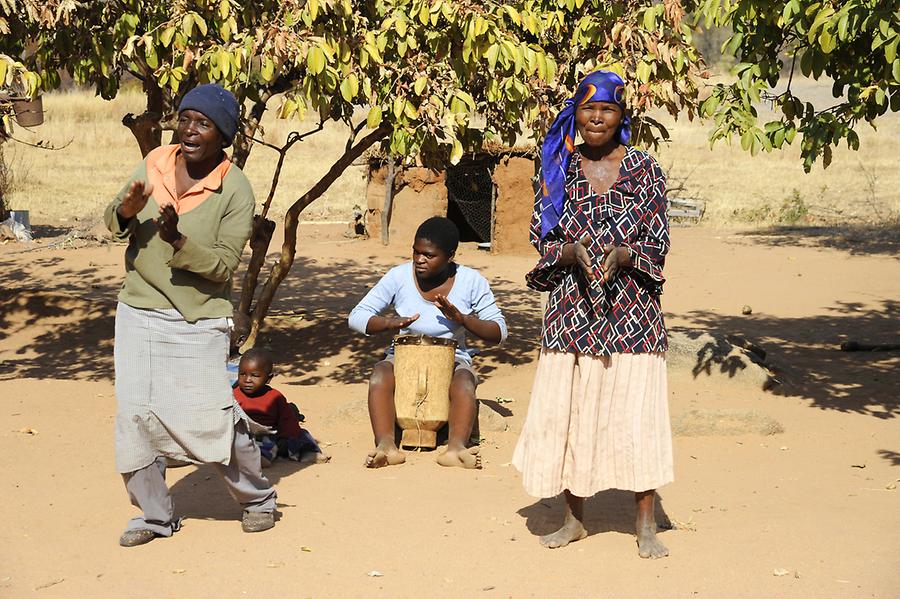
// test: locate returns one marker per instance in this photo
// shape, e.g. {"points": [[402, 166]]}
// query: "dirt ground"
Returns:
{"points": [[808, 512]]}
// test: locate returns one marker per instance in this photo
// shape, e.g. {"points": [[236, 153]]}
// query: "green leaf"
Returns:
{"points": [[349, 87], [513, 14], [267, 69], [789, 135], [313, 6], [419, 85], [827, 42], [152, 57], [201, 24], [890, 50], [895, 70], [410, 111], [187, 25], [166, 36], [643, 72], [843, 22], [398, 107], [492, 53], [315, 60], [467, 98], [456, 152], [374, 118]]}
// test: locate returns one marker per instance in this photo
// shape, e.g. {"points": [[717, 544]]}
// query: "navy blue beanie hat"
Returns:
{"points": [[218, 104]]}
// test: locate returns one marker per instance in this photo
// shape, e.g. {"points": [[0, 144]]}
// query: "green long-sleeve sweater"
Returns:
{"points": [[195, 280]]}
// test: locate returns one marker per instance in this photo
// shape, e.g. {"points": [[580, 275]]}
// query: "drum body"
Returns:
{"points": [[423, 368]]}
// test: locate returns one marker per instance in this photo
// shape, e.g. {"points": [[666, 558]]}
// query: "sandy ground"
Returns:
{"points": [[810, 512]]}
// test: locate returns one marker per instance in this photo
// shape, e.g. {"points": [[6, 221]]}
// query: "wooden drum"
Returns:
{"points": [[423, 368]]}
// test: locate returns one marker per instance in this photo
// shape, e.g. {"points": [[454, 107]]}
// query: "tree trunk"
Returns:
{"points": [[146, 127], [388, 203], [244, 143], [281, 268], [4, 180], [260, 238]]}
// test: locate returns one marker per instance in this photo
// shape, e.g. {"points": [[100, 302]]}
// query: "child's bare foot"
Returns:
{"points": [[572, 530], [649, 545], [387, 455], [461, 457], [314, 457]]}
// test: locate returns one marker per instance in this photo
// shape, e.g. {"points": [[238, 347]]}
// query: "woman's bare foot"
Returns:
{"points": [[572, 530], [385, 455], [461, 457], [645, 526], [649, 545]]}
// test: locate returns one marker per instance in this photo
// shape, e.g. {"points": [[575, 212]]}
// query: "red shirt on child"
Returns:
{"points": [[271, 409]]}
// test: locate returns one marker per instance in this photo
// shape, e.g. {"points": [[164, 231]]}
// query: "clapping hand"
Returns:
{"points": [[448, 309], [167, 223], [399, 322], [583, 259], [135, 200], [614, 258]]}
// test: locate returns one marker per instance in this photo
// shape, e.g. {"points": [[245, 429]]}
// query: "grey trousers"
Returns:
{"points": [[243, 476]]}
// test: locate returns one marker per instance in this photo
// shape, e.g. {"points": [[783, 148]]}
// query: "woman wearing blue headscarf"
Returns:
{"points": [[598, 417]]}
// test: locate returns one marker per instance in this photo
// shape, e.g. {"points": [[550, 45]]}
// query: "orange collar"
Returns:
{"points": [[161, 174]]}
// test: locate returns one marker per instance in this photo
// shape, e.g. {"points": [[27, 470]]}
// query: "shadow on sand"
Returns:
{"points": [[201, 494]]}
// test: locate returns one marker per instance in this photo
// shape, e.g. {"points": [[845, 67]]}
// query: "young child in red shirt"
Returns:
{"points": [[269, 408]]}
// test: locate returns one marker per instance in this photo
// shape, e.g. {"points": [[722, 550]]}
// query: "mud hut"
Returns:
{"points": [[489, 195]]}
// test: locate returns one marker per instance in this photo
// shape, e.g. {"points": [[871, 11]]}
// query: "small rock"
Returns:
{"points": [[375, 574], [28, 431], [780, 572], [746, 310], [306, 549], [179, 571], [488, 588]]}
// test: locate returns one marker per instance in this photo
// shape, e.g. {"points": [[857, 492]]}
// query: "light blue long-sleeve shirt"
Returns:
{"points": [[470, 293]]}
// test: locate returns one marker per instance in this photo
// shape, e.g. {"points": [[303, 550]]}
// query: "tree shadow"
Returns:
{"points": [[805, 353], [201, 494], [65, 330], [892, 456], [308, 323], [55, 335], [607, 511], [856, 239]]}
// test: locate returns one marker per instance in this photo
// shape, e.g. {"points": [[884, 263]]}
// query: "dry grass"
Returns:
{"points": [[78, 180], [859, 187]]}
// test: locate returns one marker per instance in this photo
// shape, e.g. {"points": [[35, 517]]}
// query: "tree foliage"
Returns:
{"points": [[852, 42]]}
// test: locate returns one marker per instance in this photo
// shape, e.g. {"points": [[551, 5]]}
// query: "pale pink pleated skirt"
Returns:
{"points": [[596, 423]]}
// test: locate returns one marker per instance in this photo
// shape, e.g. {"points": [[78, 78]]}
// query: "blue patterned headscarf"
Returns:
{"points": [[556, 153]]}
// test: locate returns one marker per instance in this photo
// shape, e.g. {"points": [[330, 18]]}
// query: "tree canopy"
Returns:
{"points": [[853, 43], [427, 70]]}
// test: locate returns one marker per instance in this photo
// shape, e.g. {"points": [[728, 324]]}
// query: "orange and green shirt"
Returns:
{"points": [[215, 216]]}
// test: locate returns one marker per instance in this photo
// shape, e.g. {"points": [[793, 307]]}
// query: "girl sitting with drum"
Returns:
{"points": [[437, 298]]}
